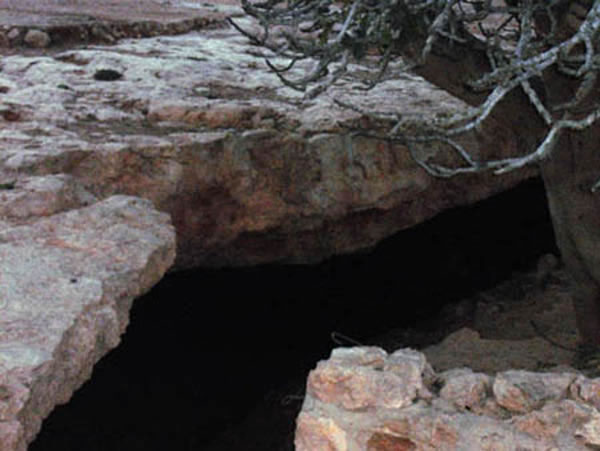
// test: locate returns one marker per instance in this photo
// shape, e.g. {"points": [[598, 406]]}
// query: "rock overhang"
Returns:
{"points": [[198, 126], [249, 172]]}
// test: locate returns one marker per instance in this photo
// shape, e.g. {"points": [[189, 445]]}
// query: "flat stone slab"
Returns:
{"points": [[67, 283]]}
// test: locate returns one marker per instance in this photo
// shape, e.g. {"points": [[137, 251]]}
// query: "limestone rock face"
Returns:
{"points": [[67, 282], [249, 173], [100, 144], [453, 410]]}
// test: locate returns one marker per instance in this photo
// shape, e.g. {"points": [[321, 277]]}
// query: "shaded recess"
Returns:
{"points": [[205, 347]]}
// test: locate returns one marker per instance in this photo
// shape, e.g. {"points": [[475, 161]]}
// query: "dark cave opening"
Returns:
{"points": [[204, 347]]}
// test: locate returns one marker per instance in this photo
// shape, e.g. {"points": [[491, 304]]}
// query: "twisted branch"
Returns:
{"points": [[335, 33]]}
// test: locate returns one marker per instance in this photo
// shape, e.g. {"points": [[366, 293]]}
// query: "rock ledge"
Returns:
{"points": [[67, 282]]}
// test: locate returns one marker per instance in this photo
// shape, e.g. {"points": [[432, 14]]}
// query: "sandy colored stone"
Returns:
{"points": [[67, 283], [321, 434], [464, 388]]}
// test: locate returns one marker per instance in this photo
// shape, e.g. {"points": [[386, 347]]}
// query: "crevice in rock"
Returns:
{"points": [[205, 347]]}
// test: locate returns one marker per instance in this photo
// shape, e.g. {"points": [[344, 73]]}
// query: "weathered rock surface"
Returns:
{"points": [[197, 125], [366, 399], [67, 282], [249, 173]]}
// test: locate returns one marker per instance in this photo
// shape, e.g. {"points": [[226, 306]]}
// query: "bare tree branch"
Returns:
{"points": [[518, 51]]}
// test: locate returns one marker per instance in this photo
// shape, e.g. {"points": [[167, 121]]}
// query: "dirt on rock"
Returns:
{"points": [[525, 323]]}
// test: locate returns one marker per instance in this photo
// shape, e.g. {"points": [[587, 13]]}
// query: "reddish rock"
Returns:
{"points": [[539, 410], [465, 389], [35, 197], [523, 391], [359, 382], [319, 433], [560, 420], [387, 442]]}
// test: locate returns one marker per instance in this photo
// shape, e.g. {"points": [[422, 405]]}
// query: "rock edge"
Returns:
{"points": [[67, 283]]}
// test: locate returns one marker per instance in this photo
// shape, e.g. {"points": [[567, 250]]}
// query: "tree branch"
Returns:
{"points": [[519, 48]]}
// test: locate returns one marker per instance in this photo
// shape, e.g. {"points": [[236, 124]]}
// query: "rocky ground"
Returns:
{"points": [[163, 130]]}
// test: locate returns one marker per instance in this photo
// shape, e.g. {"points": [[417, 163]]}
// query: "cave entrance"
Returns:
{"points": [[206, 347]]}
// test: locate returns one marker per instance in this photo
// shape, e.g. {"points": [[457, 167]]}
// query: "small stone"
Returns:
{"points": [[13, 34], [37, 39], [464, 388]]}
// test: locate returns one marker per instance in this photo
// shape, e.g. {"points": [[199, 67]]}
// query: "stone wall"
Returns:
{"points": [[365, 399]]}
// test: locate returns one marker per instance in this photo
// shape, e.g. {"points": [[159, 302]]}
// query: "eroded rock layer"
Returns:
{"points": [[96, 139], [249, 173]]}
